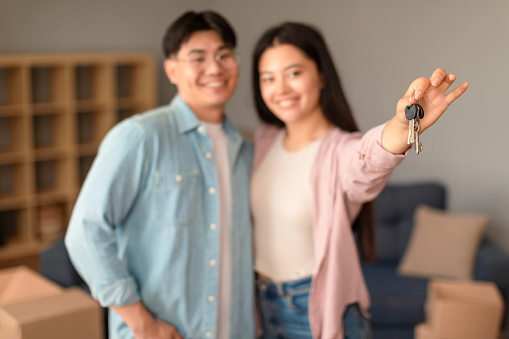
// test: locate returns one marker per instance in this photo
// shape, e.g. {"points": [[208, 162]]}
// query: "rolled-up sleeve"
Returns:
{"points": [[107, 195]]}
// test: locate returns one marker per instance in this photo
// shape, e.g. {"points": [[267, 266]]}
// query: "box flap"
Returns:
{"points": [[464, 309], [478, 293], [68, 301], [70, 314], [21, 283]]}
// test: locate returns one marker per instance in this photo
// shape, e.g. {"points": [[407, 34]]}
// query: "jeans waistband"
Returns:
{"points": [[286, 287]]}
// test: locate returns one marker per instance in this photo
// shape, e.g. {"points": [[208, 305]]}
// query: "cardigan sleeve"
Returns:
{"points": [[364, 165]]}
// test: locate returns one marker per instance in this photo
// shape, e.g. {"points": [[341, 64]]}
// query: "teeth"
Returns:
{"points": [[285, 103], [215, 84]]}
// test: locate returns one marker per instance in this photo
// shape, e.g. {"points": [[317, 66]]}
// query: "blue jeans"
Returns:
{"points": [[284, 312]]}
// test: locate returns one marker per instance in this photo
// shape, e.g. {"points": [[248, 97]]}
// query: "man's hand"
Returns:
{"points": [[143, 324], [159, 330]]}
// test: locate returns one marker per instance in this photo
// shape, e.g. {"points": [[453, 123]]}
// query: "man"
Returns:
{"points": [[161, 230]]}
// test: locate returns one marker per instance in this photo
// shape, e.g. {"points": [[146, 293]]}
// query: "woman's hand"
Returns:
{"points": [[430, 94]]}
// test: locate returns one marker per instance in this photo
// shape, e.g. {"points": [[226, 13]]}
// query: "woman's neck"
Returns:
{"points": [[301, 133]]}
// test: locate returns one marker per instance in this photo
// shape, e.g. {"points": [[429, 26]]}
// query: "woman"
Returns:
{"points": [[313, 178]]}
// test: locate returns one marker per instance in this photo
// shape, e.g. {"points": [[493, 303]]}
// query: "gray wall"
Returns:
{"points": [[379, 48]]}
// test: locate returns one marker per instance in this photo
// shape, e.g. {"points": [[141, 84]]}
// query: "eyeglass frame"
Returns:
{"points": [[216, 57]]}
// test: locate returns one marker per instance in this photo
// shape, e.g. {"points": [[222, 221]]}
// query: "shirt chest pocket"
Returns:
{"points": [[177, 198]]}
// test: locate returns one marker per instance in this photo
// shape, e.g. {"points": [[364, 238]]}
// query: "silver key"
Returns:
{"points": [[411, 131], [417, 130]]}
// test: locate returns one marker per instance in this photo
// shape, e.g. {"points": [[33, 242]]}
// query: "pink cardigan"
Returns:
{"points": [[349, 170]]}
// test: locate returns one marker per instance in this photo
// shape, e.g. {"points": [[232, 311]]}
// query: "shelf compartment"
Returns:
{"points": [[13, 226], [126, 113], [85, 163], [47, 84], [12, 135], [13, 181], [130, 80], [50, 131], [52, 176], [11, 88], [91, 82], [92, 126]]}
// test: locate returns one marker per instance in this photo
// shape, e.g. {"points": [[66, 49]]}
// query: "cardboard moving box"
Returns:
{"points": [[21, 283], [423, 331], [32, 307], [463, 310]]}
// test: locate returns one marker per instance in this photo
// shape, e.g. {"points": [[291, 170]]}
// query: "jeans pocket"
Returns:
{"points": [[356, 325], [299, 301], [177, 198]]}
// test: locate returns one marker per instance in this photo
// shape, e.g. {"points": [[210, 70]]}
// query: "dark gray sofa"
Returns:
{"points": [[397, 303]]}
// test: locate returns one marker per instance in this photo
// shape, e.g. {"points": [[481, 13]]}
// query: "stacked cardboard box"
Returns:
{"points": [[32, 307], [461, 310]]}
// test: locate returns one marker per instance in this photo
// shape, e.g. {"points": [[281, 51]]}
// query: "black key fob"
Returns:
{"points": [[411, 111]]}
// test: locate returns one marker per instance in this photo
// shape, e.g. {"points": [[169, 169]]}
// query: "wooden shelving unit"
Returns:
{"points": [[54, 111]]}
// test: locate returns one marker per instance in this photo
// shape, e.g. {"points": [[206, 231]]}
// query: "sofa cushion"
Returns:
{"points": [[395, 300], [443, 244]]}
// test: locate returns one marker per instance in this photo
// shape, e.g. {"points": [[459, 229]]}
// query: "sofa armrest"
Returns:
{"points": [[492, 263], [55, 265]]}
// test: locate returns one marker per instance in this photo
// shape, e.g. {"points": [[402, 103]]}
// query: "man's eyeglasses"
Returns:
{"points": [[226, 59]]}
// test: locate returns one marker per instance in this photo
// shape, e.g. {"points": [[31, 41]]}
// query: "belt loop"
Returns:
{"points": [[280, 290]]}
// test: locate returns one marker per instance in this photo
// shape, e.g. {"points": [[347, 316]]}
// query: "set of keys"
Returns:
{"points": [[414, 113]]}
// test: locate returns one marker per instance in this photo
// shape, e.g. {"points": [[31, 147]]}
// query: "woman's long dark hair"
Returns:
{"points": [[333, 103]]}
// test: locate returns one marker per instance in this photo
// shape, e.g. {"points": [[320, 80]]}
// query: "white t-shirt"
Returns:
{"points": [[281, 204], [220, 145]]}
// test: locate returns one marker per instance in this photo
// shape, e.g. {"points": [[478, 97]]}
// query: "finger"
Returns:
{"points": [[456, 93], [447, 82], [437, 77], [417, 89]]}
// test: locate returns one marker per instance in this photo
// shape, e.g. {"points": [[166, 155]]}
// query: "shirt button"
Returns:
{"points": [[200, 129], [208, 155], [212, 190], [208, 334], [178, 178], [212, 298], [212, 262], [213, 226]]}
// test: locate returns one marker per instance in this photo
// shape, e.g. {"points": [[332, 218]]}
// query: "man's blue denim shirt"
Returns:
{"points": [[146, 223]]}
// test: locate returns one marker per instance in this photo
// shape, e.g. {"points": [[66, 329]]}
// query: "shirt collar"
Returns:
{"points": [[187, 120]]}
